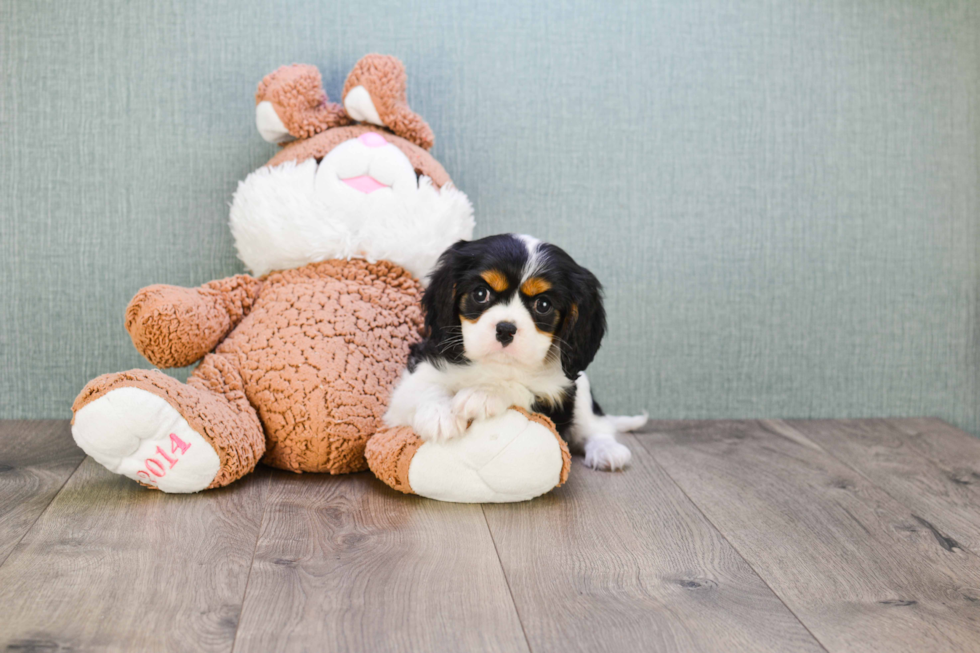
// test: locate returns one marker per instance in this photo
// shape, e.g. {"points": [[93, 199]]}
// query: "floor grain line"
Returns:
{"points": [[503, 572], [114, 566], [345, 563], [623, 561], [37, 458], [41, 514], [827, 536], [248, 577], [882, 454], [851, 562], [724, 537]]}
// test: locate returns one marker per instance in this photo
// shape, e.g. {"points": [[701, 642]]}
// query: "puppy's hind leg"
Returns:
{"points": [[595, 435], [619, 423]]}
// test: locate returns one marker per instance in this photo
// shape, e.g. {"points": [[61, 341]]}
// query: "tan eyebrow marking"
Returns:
{"points": [[535, 286], [496, 280]]}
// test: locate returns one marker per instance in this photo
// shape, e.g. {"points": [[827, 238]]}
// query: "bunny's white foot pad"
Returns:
{"points": [[514, 457], [135, 433]]}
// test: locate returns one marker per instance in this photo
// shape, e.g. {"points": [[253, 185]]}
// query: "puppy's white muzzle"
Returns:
{"points": [[520, 343]]}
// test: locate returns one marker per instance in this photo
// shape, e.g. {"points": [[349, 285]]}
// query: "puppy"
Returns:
{"points": [[510, 321]]}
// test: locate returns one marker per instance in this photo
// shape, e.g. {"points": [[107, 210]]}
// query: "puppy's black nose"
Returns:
{"points": [[505, 332]]}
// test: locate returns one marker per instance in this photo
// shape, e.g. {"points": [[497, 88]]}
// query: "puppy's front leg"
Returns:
{"points": [[480, 403], [421, 402], [436, 421]]}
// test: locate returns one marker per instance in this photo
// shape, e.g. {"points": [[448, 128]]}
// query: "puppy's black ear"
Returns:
{"points": [[584, 325], [439, 299]]}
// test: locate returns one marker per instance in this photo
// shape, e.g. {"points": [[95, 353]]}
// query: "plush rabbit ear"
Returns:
{"points": [[290, 103], [375, 93]]}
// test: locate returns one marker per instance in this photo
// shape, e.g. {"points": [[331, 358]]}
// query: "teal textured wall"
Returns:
{"points": [[780, 197]]}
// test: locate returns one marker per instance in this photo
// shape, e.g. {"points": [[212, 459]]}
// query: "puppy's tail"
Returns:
{"points": [[627, 423]]}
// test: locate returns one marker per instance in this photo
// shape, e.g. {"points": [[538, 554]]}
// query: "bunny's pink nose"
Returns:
{"points": [[372, 139]]}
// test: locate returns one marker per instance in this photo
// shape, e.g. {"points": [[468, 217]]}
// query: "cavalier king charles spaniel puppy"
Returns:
{"points": [[510, 321]]}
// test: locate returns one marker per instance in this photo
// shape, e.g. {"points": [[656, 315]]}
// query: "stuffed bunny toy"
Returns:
{"points": [[339, 230]]}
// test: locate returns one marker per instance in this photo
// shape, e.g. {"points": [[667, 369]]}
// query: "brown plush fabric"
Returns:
{"points": [[385, 80], [319, 353], [296, 93], [313, 361], [302, 361], [389, 454], [175, 327], [320, 145], [213, 403], [566, 455]]}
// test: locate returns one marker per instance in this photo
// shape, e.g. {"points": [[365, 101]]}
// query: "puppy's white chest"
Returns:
{"points": [[518, 386]]}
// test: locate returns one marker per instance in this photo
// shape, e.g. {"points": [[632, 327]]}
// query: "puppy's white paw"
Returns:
{"points": [[606, 454], [436, 422], [475, 404]]}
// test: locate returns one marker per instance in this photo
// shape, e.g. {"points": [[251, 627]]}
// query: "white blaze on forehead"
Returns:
{"points": [[535, 257]]}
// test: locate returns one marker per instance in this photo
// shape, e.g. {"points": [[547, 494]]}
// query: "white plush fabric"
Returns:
{"points": [[122, 429], [291, 215], [500, 460]]}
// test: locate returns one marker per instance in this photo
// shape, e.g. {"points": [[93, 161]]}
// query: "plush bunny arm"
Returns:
{"points": [[174, 327]]}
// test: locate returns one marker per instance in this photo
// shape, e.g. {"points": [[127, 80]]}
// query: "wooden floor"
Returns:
{"points": [[721, 536]]}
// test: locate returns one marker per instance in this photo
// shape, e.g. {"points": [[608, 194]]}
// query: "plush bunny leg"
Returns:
{"points": [[165, 434], [514, 457]]}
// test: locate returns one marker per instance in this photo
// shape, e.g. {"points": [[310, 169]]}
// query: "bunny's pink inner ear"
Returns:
{"points": [[375, 93]]}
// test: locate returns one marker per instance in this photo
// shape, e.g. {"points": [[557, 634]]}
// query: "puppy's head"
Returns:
{"points": [[515, 300]]}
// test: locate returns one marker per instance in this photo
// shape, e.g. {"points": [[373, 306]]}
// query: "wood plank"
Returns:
{"points": [[852, 563], [36, 458], [944, 495], [624, 561], [346, 564], [112, 565], [955, 451]]}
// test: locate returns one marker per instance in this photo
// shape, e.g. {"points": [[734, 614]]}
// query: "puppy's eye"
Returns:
{"points": [[542, 306], [481, 295]]}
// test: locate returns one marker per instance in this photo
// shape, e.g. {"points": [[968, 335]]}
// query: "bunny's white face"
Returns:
{"points": [[341, 191], [362, 200], [362, 169]]}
